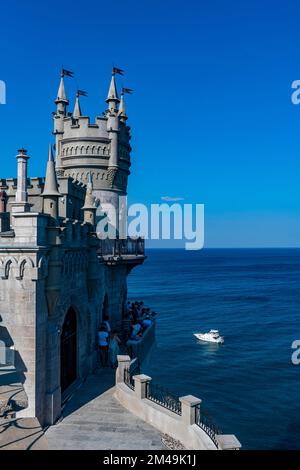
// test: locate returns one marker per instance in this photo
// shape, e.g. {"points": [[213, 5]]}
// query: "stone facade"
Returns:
{"points": [[56, 279]]}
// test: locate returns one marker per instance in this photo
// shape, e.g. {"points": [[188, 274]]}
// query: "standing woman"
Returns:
{"points": [[113, 349], [103, 339]]}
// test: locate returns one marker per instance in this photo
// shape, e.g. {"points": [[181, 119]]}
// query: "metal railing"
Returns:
{"points": [[205, 422], [134, 369], [121, 247], [163, 397]]}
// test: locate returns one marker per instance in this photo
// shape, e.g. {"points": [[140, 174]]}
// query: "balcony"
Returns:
{"points": [[129, 251]]}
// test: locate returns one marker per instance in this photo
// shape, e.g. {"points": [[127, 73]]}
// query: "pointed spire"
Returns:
{"points": [[51, 187], [61, 94], [112, 92], [77, 108], [122, 109], [112, 98]]}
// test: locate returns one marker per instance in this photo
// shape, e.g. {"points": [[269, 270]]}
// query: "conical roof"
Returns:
{"points": [[51, 186], [61, 94], [112, 92], [77, 108]]}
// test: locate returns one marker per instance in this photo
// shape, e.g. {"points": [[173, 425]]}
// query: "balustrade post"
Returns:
{"points": [[141, 385], [228, 442], [188, 408], [123, 363]]}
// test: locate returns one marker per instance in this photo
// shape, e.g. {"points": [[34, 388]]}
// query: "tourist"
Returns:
{"points": [[136, 329], [113, 349], [131, 315], [135, 314], [107, 324], [126, 327], [146, 322], [103, 338]]}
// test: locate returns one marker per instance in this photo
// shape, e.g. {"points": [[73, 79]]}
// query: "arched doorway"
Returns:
{"points": [[68, 350]]}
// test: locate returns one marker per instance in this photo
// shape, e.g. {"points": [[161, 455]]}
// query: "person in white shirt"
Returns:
{"points": [[103, 341]]}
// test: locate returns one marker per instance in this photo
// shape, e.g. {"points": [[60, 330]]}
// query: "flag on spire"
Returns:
{"points": [[127, 90], [81, 93], [67, 73], [117, 70]]}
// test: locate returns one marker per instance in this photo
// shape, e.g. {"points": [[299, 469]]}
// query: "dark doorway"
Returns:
{"points": [[68, 351], [105, 307]]}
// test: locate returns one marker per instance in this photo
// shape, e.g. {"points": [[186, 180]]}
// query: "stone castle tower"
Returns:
{"points": [[58, 274], [101, 149]]}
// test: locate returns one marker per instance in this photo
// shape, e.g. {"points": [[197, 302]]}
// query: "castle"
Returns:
{"points": [[58, 275]]}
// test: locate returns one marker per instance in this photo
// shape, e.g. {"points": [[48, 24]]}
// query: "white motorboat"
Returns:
{"points": [[211, 337]]}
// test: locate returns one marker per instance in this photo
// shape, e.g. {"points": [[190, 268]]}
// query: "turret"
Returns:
{"points": [[50, 193], [59, 116], [113, 122], [61, 100], [112, 99], [21, 199], [89, 208]]}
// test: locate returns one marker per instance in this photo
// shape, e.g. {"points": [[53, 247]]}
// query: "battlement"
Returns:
{"points": [[35, 185], [70, 204], [82, 127]]}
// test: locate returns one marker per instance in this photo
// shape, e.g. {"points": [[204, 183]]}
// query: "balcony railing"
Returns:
{"points": [[163, 397], [122, 247], [205, 422]]}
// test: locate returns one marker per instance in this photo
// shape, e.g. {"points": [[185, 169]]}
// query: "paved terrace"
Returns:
{"points": [[91, 420], [94, 420]]}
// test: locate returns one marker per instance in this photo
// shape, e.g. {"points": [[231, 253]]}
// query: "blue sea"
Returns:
{"points": [[249, 384]]}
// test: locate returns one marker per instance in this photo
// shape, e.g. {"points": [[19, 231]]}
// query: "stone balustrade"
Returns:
{"points": [[183, 426]]}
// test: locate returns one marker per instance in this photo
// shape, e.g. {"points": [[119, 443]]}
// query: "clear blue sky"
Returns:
{"points": [[211, 115]]}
